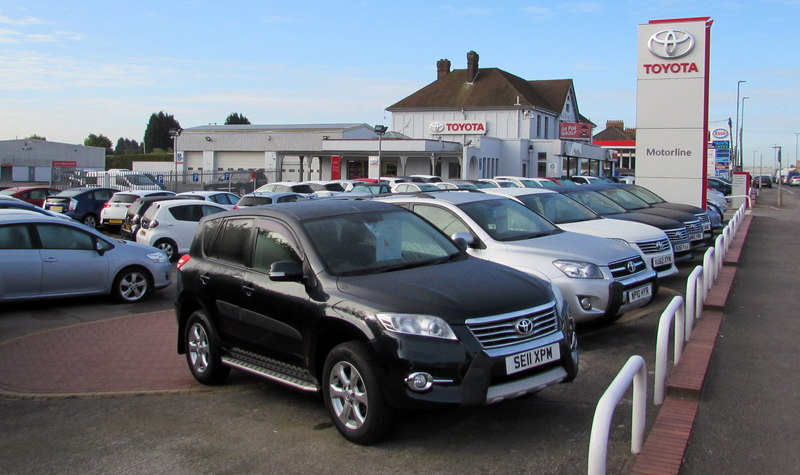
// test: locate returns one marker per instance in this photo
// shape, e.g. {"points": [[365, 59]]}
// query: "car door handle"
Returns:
{"points": [[248, 290], [204, 278], [50, 259]]}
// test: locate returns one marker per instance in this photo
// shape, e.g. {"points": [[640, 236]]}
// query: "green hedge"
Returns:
{"points": [[124, 161]]}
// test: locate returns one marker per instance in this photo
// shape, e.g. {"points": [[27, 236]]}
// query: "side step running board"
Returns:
{"points": [[270, 374]]}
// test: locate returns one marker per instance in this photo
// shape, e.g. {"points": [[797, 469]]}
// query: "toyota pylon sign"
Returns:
{"points": [[672, 108]]}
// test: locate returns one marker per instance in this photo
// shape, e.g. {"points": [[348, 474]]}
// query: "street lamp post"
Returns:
{"points": [[379, 131], [741, 133], [736, 146], [174, 133], [780, 190], [796, 155]]}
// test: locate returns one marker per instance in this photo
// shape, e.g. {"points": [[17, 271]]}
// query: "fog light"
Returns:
{"points": [[586, 303], [419, 381]]}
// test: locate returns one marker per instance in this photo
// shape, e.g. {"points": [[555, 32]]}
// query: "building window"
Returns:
{"points": [[538, 126], [547, 127]]}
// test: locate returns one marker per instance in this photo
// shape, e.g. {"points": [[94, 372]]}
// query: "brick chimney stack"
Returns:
{"points": [[615, 124], [472, 66], [442, 68]]}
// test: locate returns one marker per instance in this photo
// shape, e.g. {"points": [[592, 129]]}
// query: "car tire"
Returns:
{"points": [[353, 394], [132, 285], [169, 247], [89, 220], [203, 353]]}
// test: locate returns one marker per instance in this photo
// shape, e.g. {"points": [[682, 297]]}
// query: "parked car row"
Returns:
{"points": [[448, 296]]}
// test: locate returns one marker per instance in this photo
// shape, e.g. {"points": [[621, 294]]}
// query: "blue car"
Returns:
{"points": [[80, 204]]}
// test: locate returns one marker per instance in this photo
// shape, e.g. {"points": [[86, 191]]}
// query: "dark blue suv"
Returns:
{"points": [[80, 204]]}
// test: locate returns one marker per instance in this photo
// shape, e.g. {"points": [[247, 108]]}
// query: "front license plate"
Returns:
{"points": [[696, 237], [640, 293], [682, 247], [532, 358], [662, 261]]}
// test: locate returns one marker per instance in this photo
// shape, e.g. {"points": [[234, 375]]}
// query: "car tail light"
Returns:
{"points": [[235, 207], [73, 203], [106, 205], [183, 260]]}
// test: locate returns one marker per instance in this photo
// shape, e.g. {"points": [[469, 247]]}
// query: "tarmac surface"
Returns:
{"points": [[748, 411]]}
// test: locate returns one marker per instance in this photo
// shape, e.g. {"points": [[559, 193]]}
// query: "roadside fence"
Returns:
{"points": [[681, 315]]}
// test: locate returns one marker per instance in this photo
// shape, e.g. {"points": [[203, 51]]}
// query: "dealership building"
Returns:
{"points": [[33, 160], [467, 123]]}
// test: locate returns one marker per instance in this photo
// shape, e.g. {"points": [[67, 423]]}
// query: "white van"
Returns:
{"points": [[121, 179]]}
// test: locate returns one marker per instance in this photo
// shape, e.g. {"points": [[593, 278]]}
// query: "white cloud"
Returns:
{"points": [[26, 21]]}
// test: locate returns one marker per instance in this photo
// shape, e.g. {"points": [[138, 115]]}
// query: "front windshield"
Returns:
{"points": [[646, 195], [557, 208], [596, 202], [485, 184], [507, 220], [369, 243], [530, 184], [624, 199], [140, 180]]}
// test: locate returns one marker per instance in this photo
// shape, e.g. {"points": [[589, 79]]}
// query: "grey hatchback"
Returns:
{"points": [[49, 257]]}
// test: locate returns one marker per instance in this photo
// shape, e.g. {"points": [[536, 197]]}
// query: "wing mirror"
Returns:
{"points": [[286, 271], [463, 240]]}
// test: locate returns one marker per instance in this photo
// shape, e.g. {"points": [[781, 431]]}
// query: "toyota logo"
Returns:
{"points": [[631, 267], [671, 44], [437, 127], [524, 326]]}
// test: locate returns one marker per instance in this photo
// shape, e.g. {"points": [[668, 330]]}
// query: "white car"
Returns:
{"points": [[259, 198], [414, 187], [325, 188], [599, 278], [113, 213], [529, 182], [223, 198], [651, 242], [170, 225], [288, 187]]}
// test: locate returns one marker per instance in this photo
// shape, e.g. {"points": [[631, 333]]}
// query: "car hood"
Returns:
{"points": [[653, 220], [630, 231], [680, 207], [539, 253], [681, 216], [448, 290]]}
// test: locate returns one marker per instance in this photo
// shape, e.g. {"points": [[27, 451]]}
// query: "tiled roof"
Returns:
{"points": [[491, 88], [616, 134]]}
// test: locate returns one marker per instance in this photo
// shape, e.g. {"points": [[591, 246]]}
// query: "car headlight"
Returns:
{"points": [[159, 257], [413, 324], [579, 270]]}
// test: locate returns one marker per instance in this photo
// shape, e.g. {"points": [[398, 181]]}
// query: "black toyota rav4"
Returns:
{"points": [[369, 304]]}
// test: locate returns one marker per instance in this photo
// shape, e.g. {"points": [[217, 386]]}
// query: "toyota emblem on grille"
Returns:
{"points": [[671, 44], [524, 326], [631, 267]]}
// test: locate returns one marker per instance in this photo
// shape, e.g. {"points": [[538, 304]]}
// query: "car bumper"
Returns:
{"points": [[465, 374], [604, 297]]}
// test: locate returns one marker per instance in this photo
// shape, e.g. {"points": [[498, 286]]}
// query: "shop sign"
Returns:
{"points": [[65, 163], [574, 130], [458, 127]]}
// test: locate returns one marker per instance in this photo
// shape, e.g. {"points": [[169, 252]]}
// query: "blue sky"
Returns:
{"points": [[68, 69]]}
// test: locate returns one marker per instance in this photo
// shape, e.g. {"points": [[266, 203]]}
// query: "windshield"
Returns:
{"points": [[369, 243], [596, 202], [507, 220], [141, 180], [646, 195], [557, 208], [624, 199]]}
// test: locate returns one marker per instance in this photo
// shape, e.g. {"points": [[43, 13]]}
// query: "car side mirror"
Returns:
{"points": [[100, 247], [286, 271], [463, 240]]}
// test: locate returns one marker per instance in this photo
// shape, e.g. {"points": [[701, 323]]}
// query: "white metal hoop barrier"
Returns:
{"points": [[673, 313], [634, 371], [695, 298]]}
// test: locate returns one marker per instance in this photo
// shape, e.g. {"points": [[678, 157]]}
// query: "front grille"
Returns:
{"points": [[694, 227], [704, 219], [677, 235], [652, 247], [627, 267], [501, 330]]}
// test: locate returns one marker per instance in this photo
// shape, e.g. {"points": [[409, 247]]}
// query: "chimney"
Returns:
{"points": [[615, 124], [442, 68], [472, 66]]}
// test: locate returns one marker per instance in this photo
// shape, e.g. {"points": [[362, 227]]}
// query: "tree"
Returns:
{"points": [[127, 147], [36, 137], [236, 118], [99, 141], [157, 133]]}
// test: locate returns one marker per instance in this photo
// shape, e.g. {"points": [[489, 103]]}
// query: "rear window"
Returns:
{"points": [[123, 198], [254, 201]]}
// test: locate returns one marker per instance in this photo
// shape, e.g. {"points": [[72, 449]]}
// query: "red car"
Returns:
{"points": [[32, 194]]}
